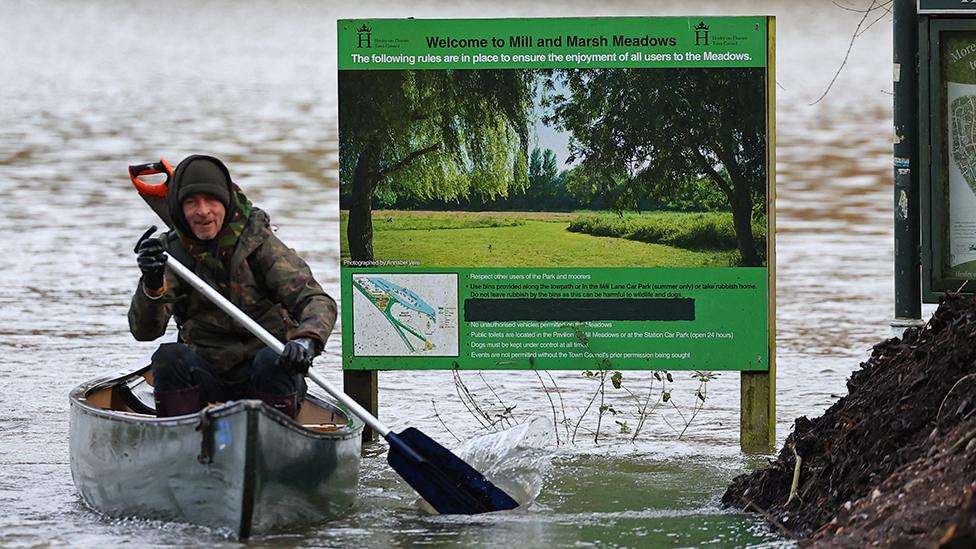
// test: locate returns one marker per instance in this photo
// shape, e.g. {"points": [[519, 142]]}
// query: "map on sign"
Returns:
{"points": [[961, 142], [963, 124], [405, 314]]}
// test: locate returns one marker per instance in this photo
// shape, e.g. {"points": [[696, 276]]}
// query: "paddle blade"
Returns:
{"points": [[447, 483]]}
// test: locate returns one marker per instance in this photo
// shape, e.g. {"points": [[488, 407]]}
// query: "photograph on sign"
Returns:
{"points": [[597, 189], [511, 197]]}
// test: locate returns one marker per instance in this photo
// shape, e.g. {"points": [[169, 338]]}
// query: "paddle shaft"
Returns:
{"points": [[271, 341]]}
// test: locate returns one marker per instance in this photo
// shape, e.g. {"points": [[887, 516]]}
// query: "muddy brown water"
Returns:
{"points": [[114, 83]]}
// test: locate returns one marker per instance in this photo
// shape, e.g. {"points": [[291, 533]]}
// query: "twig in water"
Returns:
{"points": [[438, 416], [506, 414], [460, 387], [585, 410], [642, 413], [699, 402], [603, 407], [552, 405], [683, 420], [642, 409], [562, 404], [770, 518], [668, 423]]}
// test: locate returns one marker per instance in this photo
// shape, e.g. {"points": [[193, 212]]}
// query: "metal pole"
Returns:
{"points": [[908, 292]]}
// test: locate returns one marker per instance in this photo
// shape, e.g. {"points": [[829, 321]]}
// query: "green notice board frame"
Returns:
{"points": [[941, 234], [407, 304]]}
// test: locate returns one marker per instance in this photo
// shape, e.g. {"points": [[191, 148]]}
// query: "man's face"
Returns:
{"points": [[204, 214]]}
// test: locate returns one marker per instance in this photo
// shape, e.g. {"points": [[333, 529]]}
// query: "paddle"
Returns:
{"points": [[448, 483]]}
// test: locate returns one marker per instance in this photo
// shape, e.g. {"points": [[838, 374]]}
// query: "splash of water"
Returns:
{"points": [[515, 460]]}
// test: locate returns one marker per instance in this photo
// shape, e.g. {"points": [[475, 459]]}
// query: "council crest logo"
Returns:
{"points": [[365, 35], [701, 34]]}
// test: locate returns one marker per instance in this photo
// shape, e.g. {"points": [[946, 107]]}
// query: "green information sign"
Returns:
{"points": [[556, 193], [552, 43]]}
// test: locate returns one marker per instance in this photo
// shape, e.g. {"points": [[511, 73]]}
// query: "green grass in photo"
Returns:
{"points": [[693, 231], [508, 239], [392, 220]]}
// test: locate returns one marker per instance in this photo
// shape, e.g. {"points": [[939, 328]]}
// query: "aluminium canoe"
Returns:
{"points": [[240, 467]]}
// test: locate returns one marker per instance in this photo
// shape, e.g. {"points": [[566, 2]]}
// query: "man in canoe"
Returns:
{"points": [[229, 243]]}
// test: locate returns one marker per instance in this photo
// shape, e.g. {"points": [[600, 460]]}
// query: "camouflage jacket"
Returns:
{"points": [[268, 281]]}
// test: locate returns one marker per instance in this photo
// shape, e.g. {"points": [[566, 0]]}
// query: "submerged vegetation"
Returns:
{"points": [[618, 408]]}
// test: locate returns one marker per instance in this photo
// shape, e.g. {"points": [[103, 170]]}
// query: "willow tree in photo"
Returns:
{"points": [[429, 134], [639, 132]]}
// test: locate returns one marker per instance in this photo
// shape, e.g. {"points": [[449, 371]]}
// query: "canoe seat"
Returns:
{"points": [[319, 415], [125, 394]]}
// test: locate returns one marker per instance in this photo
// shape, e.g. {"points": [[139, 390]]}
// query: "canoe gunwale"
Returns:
{"points": [[77, 400]]}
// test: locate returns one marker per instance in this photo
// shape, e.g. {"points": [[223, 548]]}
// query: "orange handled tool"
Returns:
{"points": [[153, 193]]}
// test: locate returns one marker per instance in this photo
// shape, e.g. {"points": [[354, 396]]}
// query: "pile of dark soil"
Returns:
{"points": [[930, 502], [910, 409]]}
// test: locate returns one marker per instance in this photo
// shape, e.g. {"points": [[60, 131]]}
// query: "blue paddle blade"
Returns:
{"points": [[447, 483]]}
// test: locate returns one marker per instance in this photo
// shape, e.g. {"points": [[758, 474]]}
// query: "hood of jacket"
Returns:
{"points": [[199, 173]]}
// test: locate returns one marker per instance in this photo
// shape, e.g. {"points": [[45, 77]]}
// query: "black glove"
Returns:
{"points": [[152, 260], [296, 356]]}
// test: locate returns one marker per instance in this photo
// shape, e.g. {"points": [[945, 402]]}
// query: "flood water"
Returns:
{"points": [[88, 88]]}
